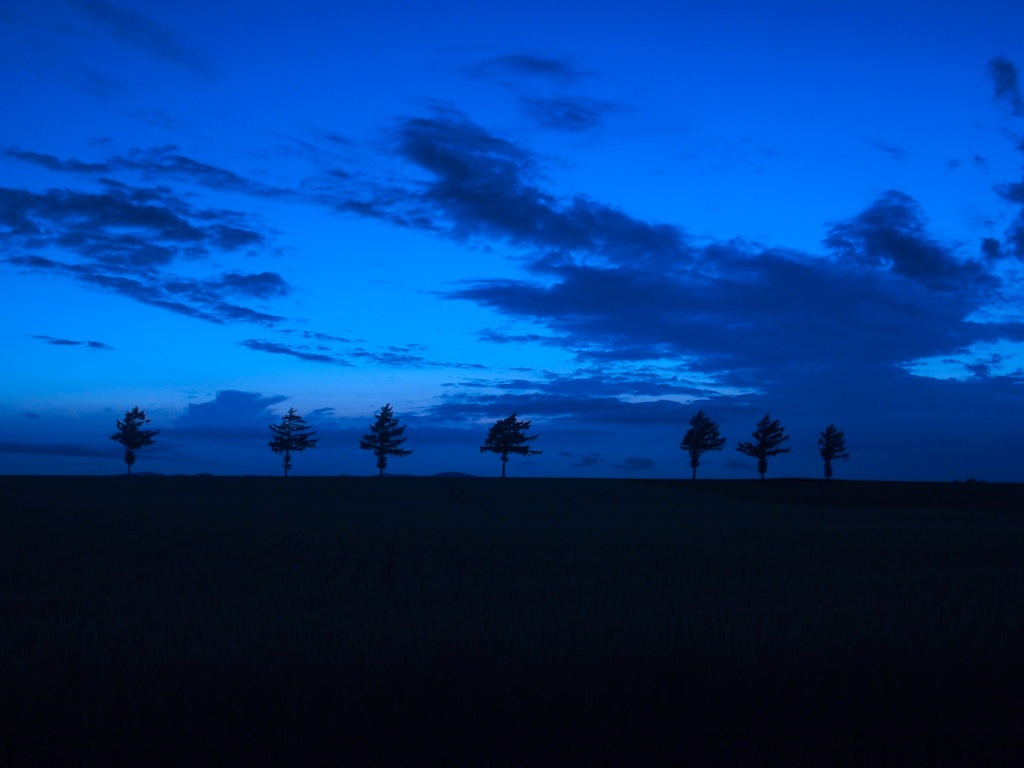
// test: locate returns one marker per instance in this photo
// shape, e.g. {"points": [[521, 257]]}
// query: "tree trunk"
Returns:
{"points": [[694, 473], [503, 463]]}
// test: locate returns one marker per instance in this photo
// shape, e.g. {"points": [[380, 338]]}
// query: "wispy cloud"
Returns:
{"points": [[125, 239], [1006, 81], [139, 30], [896, 153], [156, 163], [567, 113], [185, 296], [409, 357], [525, 65], [636, 464], [72, 343], [53, 449], [276, 348]]}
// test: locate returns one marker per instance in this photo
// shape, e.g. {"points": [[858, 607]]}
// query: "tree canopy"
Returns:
{"points": [[832, 446], [132, 436], [701, 437], [385, 438], [768, 437], [507, 436], [292, 434]]}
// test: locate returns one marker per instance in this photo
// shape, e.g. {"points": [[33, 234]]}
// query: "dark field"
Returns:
{"points": [[405, 621]]}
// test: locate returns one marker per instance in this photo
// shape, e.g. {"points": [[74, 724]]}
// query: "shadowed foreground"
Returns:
{"points": [[188, 621]]}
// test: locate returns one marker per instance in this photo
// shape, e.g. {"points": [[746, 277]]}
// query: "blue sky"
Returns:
{"points": [[601, 216]]}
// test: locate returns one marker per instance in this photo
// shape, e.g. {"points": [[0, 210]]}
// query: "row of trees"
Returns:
{"points": [[703, 436], [506, 437]]}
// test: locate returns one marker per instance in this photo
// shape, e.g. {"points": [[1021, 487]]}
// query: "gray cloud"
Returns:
{"points": [[70, 343], [896, 153], [185, 296], [276, 348], [484, 187], [636, 464], [1006, 82], [53, 449], [614, 288], [528, 66], [156, 163], [409, 357], [891, 234], [231, 415], [567, 113], [125, 239], [139, 30]]}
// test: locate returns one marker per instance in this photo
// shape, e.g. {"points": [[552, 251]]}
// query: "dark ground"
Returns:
{"points": [[454, 621]]}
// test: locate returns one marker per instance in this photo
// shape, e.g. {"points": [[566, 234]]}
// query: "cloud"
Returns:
{"points": [[891, 234], [527, 66], [1006, 81], [193, 298], [139, 30], [602, 410], [316, 336], [483, 186], [156, 163], [264, 285], [276, 348], [587, 460], [125, 239], [616, 289], [30, 415], [53, 449], [896, 153], [230, 415], [567, 113], [120, 225], [636, 464], [70, 343], [406, 357]]}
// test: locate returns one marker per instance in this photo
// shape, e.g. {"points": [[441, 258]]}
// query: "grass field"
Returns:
{"points": [[466, 621]]}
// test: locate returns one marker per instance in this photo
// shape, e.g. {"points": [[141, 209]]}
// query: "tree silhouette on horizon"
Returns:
{"points": [[509, 436], [385, 438], [701, 437], [292, 434], [832, 446], [768, 436], [131, 435]]}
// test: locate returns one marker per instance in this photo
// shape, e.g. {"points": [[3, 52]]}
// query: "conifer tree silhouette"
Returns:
{"points": [[509, 436], [832, 446], [701, 437], [768, 436], [131, 435], [385, 438], [292, 434]]}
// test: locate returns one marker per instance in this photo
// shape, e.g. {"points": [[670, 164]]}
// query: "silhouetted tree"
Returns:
{"points": [[292, 434], [701, 437], [385, 438], [509, 436], [132, 436], [768, 436], [832, 446]]}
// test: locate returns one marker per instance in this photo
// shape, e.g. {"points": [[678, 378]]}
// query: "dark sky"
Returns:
{"points": [[601, 216]]}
